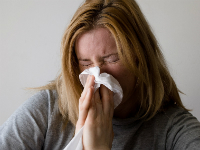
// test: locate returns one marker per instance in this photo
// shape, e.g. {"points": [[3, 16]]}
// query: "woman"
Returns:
{"points": [[113, 35]]}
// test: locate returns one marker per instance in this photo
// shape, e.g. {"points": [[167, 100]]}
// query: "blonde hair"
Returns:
{"points": [[134, 39]]}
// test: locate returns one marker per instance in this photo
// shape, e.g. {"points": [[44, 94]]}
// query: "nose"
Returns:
{"points": [[101, 66]]}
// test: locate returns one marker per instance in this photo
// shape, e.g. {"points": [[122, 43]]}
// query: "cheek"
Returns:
{"points": [[81, 68], [120, 73], [125, 78]]}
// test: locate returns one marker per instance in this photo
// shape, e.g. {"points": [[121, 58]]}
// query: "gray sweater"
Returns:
{"points": [[37, 125]]}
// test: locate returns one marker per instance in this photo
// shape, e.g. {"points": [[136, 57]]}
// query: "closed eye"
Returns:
{"points": [[112, 58], [85, 63]]}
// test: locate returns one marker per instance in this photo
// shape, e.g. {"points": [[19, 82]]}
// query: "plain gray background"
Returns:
{"points": [[31, 33]]}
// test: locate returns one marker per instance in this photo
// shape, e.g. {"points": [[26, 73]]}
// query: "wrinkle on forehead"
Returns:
{"points": [[97, 41]]}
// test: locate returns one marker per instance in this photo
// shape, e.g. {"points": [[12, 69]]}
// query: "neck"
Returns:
{"points": [[129, 106], [126, 109]]}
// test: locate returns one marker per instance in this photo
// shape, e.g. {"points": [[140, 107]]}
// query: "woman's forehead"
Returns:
{"points": [[100, 32], [99, 41]]}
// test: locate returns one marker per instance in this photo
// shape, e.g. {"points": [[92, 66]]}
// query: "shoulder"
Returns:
{"points": [[183, 129], [174, 114], [175, 128], [176, 118], [44, 100], [44, 97], [31, 118], [40, 105]]}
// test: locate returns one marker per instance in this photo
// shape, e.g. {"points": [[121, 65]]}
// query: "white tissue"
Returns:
{"points": [[108, 80], [111, 83]]}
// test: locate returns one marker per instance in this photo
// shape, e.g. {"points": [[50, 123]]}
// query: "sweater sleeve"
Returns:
{"points": [[26, 128], [184, 133]]}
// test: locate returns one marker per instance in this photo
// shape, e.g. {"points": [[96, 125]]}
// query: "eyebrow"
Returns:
{"points": [[102, 57]]}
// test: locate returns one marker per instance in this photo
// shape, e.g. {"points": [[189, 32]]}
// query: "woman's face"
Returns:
{"points": [[97, 47]]}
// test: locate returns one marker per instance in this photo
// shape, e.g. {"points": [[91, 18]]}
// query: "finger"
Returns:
{"points": [[107, 100], [92, 112], [84, 108], [96, 106], [98, 102], [89, 83]]}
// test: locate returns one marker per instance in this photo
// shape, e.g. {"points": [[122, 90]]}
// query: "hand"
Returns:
{"points": [[96, 112]]}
